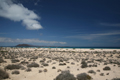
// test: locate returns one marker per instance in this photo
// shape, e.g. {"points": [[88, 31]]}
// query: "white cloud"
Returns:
{"points": [[17, 12], [9, 40], [84, 36], [110, 24], [93, 36], [106, 34]]}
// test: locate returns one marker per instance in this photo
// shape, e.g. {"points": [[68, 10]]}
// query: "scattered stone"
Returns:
{"points": [[45, 70], [101, 74], [40, 71]]}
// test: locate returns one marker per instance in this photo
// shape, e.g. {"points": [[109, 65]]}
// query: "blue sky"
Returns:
{"points": [[60, 22]]}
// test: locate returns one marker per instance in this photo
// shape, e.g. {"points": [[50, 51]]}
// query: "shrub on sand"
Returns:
{"points": [[107, 73], [35, 57], [15, 60], [3, 74], [94, 65], [54, 63], [116, 79], [45, 64], [83, 76], [53, 67], [62, 64], [60, 60], [84, 64], [59, 70], [98, 70], [65, 75], [72, 63], [68, 66], [107, 68], [24, 62], [92, 72], [28, 70], [99, 60], [105, 63], [15, 72], [23, 68], [33, 65], [41, 61], [101, 74], [1, 60], [13, 66]]}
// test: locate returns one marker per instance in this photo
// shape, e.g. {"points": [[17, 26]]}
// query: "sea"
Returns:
{"points": [[68, 47]]}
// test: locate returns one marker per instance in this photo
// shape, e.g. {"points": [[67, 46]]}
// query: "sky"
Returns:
{"points": [[85, 23]]}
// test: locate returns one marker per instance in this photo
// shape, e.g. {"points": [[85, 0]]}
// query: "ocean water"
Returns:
{"points": [[86, 47], [69, 47]]}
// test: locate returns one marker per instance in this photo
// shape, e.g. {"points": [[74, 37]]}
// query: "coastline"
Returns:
{"points": [[63, 47], [67, 49]]}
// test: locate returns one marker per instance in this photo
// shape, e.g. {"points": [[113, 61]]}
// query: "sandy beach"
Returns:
{"points": [[59, 64]]}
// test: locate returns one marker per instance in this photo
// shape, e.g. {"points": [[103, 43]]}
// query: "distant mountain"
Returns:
{"points": [[24, 45], [28, 45]]}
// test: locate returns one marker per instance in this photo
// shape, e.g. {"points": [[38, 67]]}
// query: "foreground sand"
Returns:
{"points": [[61, 59]]}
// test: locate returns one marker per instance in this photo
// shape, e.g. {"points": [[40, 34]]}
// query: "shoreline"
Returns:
{"points": [[78, 49], [71, 47], [91, 48]]}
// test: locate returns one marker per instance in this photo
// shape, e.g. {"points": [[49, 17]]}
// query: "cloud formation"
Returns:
{"points": [[83, 36], [107, 34], [9, 40], [17, 12], [93, 36], [110, 24]]}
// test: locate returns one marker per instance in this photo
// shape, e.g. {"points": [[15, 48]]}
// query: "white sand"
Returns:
{"points": [[74, 55]]}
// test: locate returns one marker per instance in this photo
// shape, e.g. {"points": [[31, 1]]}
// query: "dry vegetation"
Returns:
{"points": [[62, 62]]}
